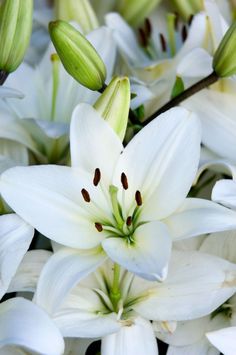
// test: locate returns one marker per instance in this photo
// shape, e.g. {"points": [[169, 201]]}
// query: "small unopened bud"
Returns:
{"points": [[224, 61], [15, 31], [187, 8], [114, 103], [135, 11], [77, 55], [80, 11]]}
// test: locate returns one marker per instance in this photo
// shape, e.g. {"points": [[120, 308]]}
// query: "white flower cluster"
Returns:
{"points": [[117, 177]]}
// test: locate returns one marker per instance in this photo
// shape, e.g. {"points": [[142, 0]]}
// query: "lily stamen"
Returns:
{"points": [[138, 198], [129, 221], [124, 181], [97, 177], [85, 195], [98, 226]]}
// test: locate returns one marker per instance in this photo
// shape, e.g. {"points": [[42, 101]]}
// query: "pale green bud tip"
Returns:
{"points": [[78, 56], [187, 8], [135, 11], [114, 104], [224, 61], [15, 32]]}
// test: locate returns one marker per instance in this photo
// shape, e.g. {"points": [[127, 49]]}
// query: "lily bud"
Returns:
{"points": [[187, 8], [114, 103], [77, 55], [135, 11], [80, 11], [15, 31], [224, 61]]}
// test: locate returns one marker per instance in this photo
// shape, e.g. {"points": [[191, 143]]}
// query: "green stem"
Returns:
{"points": [[202, 84]]}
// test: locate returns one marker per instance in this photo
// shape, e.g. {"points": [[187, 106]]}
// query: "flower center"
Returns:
{"points": [[122, 225]]}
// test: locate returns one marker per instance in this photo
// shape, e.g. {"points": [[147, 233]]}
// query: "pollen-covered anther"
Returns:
{"points": [[97, 177], [124, 181], [129, 221], [98, 226], [85, 195], [138, 198]]}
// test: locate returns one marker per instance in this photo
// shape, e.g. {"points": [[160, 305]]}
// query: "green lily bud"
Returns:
{"points": [[80, 11], [187, 8], [135, 11], [224, 61], [77, 55], [15, 31], [114, 103]]}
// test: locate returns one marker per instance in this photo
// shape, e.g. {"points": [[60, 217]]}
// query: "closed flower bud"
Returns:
{"points": [[224, 61], [15, 32], [135, 11], [114, 103], [187, 8], [80, 11], [77, 55]]}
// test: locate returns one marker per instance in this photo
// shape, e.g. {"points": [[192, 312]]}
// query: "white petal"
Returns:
{"points": [[217, 112], [75, 346], [224, 192], [167, 147], [196, 285], [224, 340], [196, 64], [24, 324], [93, 142], [75, 264], [12, 154], [200, 348], [135, 339], [9, 92], [28, 272], [15, 238], [197, 216], [49, 198], [148, 256]]}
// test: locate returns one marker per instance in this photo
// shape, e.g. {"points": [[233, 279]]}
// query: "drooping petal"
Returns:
{"points": [[135, 339], [197, 216], [49, 198], [224, 192], [224, 340], [75, 264], [27, 275], [149, 254], [93, 142], [196, 285], [24, 324], [161, 162], [15, 238]]}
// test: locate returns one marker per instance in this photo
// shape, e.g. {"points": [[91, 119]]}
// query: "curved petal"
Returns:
{"points": [[196, 64], [224, 340], [135, 339], [167, 147], [9, 92], [224, 192], [147, 256], [194, 279], [27, 275], [93, 142], [49, 198], [22, 323], [15, 238], [201, 347], [75, 264], [197, 216]]}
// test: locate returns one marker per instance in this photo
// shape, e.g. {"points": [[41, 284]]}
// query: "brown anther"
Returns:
{"points": [[124, 181], [163, 42], [190, 20], [142, 38], [184, 33], [148, 27], [97, 177], [129, 221], [98, 226], [85, 195], [138, 198]]}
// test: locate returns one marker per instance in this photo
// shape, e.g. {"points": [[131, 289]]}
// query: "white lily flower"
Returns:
{"points": [[126, 202], [15, 238], [89, 310], [161, 61]]}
